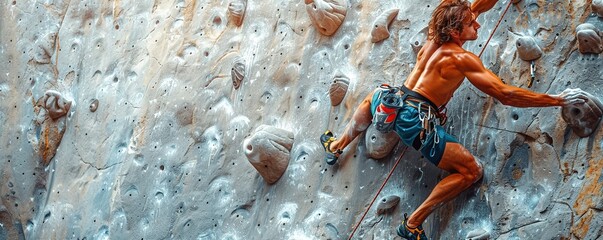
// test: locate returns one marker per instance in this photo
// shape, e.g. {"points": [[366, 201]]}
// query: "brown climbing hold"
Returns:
{"points": [[184, 114], [583, 118], [268, 150], [56, 106], [326, 15], [237, 11], [589, 40], [387, 204], [51, 126], [378, 144], [93, 105], [380, 30], [238, 73], [338, 89], [528, 49]]}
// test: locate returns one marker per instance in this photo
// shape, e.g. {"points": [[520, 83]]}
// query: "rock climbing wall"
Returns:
{"points": [[200, 119]]}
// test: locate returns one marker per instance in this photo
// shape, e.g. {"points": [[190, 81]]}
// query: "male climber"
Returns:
{"points": [[442, 65]]}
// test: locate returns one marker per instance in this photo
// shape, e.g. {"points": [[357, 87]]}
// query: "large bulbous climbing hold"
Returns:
{"points": [[583, 118], [597, 7], [238, 73], [380, 30], [527, 48], [326, 15], [268, 150], [236, 11], [338, 89], [378, 144], [589, 40], [56, 106]]}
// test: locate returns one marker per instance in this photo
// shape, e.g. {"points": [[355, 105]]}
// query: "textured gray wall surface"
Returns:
{"points": [[121, 120]]}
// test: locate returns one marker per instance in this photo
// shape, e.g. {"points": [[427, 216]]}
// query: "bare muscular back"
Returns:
{"points": [[435, 75], [440, 78]]}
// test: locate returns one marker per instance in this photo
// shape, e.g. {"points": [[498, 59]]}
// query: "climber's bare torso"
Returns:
{"points": [[436, 75]]}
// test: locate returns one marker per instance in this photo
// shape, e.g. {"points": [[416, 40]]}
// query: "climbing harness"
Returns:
{"points": [[378, 192], [387, 111]]}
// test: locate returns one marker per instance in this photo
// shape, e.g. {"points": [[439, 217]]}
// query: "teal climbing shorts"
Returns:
{"points": [[408, 126]]}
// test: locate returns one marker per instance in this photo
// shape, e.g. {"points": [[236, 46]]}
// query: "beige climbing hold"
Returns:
{"points": [[326, 15], [387, 204], [378, 144], [589, 40], [237, 11], [238, 73], [527, 48], [338, 89], [583, 118], [268, 150], [380, 30], [418, 40]]}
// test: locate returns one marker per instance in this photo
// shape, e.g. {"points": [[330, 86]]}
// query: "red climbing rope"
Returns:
{"points": [[495, 27], [378, 192]]}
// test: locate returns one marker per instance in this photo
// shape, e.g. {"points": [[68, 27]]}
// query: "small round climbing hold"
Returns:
{"points": [[93, 105]]}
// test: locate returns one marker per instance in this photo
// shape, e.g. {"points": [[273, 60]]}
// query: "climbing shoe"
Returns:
{"points": [[326, 139], [411, 233]]}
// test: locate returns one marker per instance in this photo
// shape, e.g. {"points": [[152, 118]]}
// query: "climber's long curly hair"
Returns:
{"points": [[447, 17]]}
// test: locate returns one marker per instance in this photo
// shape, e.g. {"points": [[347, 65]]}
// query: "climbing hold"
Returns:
{"points": [[589, 40], [285, 74], [268, 150], [583, 118], [326, 15], [338, 89], [184, 114], [387, 204], [56, 106], [380, 30], [238, 72], [50, 127], [237, 11], [93, 105], [527, 48], [597, 7], [478, 234], [418, 40], [378, 144]]}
